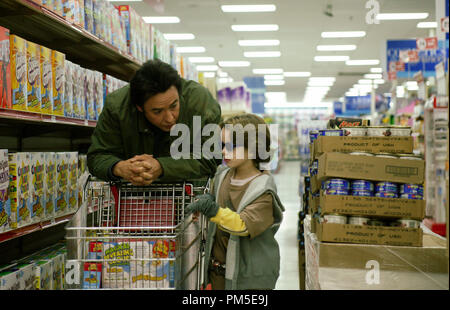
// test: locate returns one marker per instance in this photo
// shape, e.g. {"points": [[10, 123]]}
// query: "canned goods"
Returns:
{"points": [[361, 193], [312, 171], [407, 223], [331, 132], [400, 131], [411, 189], [386, 187], [358, 220], [385, 155], [316, 164], [335, 218], [362, 185], [340, 184], [386, 195], [355, 131], [339, 192], [378, 131], [411, 196], [313, 134], [362, 153], [394, 223], [373, 222]]}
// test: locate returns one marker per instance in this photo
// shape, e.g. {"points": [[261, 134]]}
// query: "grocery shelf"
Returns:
{"points": [[19, 232], [42, 26]]}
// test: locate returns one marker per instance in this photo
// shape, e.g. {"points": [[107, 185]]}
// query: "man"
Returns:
{"points": [[132, 138]]}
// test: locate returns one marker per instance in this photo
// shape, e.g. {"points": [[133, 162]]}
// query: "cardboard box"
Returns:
{"points": [[37, 195], [68, 89], [62, 176], [5, 202], [19, 277], [34, 99], [5, 77], [342, 165], [46, 80], [58, 74], [338, 266], [44, 274], [372, 206], [394, 145], [19, 188], [50, 185], [18, 57], [72, 161], [347, 233], [92, 275]]}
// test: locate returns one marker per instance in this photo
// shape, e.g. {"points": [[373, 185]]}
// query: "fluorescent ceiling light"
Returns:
{"points": [[360, 62], [379, 81], [274, 77], [401, 16], [248, 8], [161, 19], [179, 36], [324, 79], [209, 74], [400, 91], [411, 83], [336, 47], [365, 82], [276, 96], [267, 71], [191, 49], [427, 25], [268, 27], [331, 58], [297, 74], [259, 42], [234, 63], [320, 83], [125, 0], [373, 76], [376, 70], [343, 34], [225, 80], [273, 82], [262, 54], [195, 60], [222, 74], [207, 68], [321, 88]]}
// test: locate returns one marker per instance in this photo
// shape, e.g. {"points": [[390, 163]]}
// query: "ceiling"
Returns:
{"points": [[300, 25]]}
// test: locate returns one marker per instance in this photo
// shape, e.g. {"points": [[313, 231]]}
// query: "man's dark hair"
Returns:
{"points": [[152, 78]]}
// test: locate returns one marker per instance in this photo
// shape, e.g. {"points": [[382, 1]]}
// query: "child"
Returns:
{"points": [[244, 212]]}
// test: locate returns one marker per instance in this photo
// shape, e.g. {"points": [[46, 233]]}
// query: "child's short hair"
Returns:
{"points": [[262, 138]]}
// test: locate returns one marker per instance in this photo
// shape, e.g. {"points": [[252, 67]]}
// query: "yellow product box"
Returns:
{"points": [[5, 202], [19, 188], [62, 176], [33, 77], [37, 198], [50, 184], [58, 75], [46, 81], [18, 52], [72, 158]]}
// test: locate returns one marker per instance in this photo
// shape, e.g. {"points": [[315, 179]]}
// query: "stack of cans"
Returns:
{"points": [[314, 169], [411, 191], [313, 135], [362, 188], [336, 187], [331, 132], [386, 190]]}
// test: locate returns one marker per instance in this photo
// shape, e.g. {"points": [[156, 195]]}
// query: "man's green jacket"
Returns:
{"points": [[123, 132]]}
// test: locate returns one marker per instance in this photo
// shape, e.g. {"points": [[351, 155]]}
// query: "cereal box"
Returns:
{"points": [[58, 262], [5, 203], [46, 81], [72, 161], [37, 198], [25, 276], [18, 57], [58, 7], [47, 3], [92, 275], [62, 171], [116, 269], [89, 15], [81, 94], [81, 17], [76, 113], [95, 250], [43, 272], [33, 77], [50, 184], [58, 75], [99, 29], [89, 94], [68, 89], [5, 74], [9, 280], [68, 7], [19, 188], [98, 93]]}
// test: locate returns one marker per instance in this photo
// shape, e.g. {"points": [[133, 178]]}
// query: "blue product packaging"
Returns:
{"points": [[313, 134], [386, 195], [411, 196], [411, 189], [386, 187], [362, 185], [339, 192], [362, 193], [331, 132], [337, 184]]}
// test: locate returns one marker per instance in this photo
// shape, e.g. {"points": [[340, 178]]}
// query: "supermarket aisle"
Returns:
{"points": [[287, 181]]}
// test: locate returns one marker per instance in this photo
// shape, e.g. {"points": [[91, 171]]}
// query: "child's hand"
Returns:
{"points": [[205, 204]]}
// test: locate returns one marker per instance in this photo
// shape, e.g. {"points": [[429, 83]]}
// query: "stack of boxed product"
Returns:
{"points": [[367, 186], [38, 186], [234, 97], [40, 271], [365, 208]]}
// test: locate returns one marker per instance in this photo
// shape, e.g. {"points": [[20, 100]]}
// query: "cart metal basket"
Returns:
{"points": [[129, 237]]}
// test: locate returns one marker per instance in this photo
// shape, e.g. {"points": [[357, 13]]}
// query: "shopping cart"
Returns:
{"points": [[137, 237]]}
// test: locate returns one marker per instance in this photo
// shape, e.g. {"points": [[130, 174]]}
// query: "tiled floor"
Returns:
{"points": [[287, 181]]}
